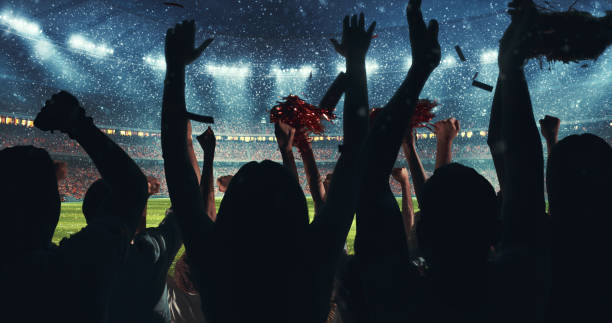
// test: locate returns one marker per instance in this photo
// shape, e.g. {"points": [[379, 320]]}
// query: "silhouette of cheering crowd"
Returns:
{"points": [[471, 254]]}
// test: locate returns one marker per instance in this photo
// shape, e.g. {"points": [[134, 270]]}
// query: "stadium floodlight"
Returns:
{"points": [[449, 61], [158, 63], [306, 70], [408, 62], [488, 57], [303, 72], [43, 48], [371, 66], [20, 25], [224, 70], [79, 42]]}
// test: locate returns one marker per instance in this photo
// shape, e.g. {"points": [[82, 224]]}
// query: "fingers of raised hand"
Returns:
{"points": [[338, 47], [371, 29], [346, 24]]}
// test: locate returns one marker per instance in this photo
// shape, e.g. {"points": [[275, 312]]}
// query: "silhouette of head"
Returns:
{"points": [[579, 185], [458, 216], [260, 234], [29, 197], [263, 204], [97, 201]]}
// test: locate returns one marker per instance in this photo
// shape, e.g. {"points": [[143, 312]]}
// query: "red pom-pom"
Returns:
{"points": [[422, 113], [420, 118], [304, 117]]}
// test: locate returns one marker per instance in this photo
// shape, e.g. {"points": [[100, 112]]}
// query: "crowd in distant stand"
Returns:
{"points": [[83, 173]]}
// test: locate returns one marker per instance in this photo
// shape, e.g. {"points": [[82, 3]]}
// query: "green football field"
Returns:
{"points": [[72, 220]]}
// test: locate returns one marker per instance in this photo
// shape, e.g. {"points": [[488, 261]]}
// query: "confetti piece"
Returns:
{"points": [[374, 36], [460, 53], [199, 118], [475, 76], [483, 86], [174, 4]]}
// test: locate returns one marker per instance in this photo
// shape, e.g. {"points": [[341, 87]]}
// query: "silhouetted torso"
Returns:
{"points": [[141, 294]]}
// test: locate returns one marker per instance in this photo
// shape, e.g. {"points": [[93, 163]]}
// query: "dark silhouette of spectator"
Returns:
{"points": [[140, 293], [82, 269], [581, 221], [520, 273], [380, 271], [456, 240], [269, 263]]}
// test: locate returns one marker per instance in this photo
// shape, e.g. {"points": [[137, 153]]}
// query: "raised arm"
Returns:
{"points": [[494, 141], [181, 178], [126, 180], [523, 189], [192, 156], [446, 131], [417, 171], [549, 127], [284, 136], [208, 142], [334, 221], [390, 126], [400, 175], [315, 183], [523, 247]]}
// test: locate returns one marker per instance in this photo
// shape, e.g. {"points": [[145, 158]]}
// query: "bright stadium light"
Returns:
{"points": [[408, 62], [303, 72], [449, 61], [44, 49], [306, 71], [371, 67], [488, 57], [20, 25], [224, 70], [157, 63], [79, 42]]}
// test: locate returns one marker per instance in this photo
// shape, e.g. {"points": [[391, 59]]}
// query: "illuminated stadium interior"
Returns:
{"points": [[110, 55]]}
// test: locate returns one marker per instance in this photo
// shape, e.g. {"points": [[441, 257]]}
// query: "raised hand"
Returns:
{"points": [[426, 51], [284, 136], [208, 141], [180, 44], [355, 39], [62, 112], [400, 174], [446, 130], [514, 45], [549, 127]]}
